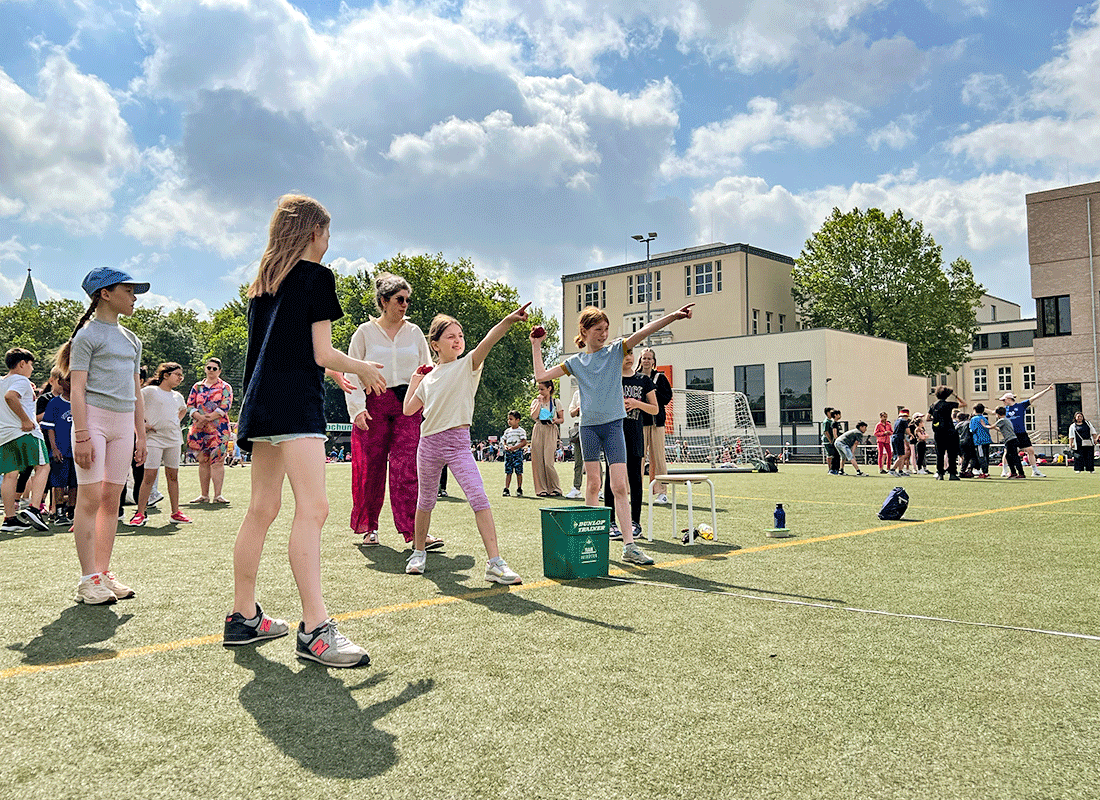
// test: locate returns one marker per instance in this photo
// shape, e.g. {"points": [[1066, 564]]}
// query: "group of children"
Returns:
{"points": [[292, 305]]}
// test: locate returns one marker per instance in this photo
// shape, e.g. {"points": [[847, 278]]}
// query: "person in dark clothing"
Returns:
{"points": [[944, 433]]}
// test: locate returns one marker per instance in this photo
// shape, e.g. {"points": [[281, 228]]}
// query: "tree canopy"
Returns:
{"points": [[883, 276]]}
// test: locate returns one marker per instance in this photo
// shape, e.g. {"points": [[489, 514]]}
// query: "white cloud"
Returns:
{"points": [[12, 250], [896, 134], [861, 71], [67, 148], [720, 146], [344, 266], [987, 92]]}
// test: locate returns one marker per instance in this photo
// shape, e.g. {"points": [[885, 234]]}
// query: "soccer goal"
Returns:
{"points": [[711, 431]]}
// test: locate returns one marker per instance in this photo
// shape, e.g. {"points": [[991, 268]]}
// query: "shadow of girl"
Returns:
{"points": [[312, 717], [66, 639]]}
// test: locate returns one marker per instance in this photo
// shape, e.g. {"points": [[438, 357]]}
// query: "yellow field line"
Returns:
{"points": [[164, 647]]}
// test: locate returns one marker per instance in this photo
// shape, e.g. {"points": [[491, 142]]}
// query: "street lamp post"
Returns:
{"points": [[648, 276]]}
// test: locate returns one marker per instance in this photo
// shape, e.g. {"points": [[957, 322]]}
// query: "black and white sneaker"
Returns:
{"points": [[30, 517], [14, 524], [240, 630]]}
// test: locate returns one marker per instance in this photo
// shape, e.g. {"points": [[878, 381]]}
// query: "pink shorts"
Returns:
{"points": [[112, 435]]}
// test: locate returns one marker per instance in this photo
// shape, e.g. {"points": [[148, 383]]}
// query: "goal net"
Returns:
{"points": [[710, 431]]}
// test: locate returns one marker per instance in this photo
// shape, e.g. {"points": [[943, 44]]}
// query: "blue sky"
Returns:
{"points": [[532, 136]]}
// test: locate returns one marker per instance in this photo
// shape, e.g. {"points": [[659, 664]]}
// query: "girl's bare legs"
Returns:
{"points": [[146, 489], [263, 507], [621, 491], [422, 523], [173, 478], [304, 460], [592, 479], [94, 525], [217, 474], [488, 530]]}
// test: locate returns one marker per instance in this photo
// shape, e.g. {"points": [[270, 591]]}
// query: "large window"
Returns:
{"points": [[981, 384], [1053, 313], [782, 322], [1004, 379], [645, 287], [750, 382], [703, 278], [768, 322], [1067, 398], [795, 393], [1029, 377], [593, 293]]}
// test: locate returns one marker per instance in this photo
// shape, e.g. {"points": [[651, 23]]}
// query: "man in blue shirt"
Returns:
{"points": [[1014, 413]]}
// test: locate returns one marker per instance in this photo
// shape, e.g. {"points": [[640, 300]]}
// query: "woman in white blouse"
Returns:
{"points": [[382, 437]]}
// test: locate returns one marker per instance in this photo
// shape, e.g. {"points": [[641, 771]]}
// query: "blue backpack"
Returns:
{"points": [[895, 505]]}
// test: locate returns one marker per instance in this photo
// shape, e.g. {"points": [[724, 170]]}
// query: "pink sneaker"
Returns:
{"points": [[137, 520], [179, 516]]}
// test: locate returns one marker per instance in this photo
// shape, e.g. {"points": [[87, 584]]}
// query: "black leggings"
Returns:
{"points": [[1012, 455], [947, 446], [634, 478]]}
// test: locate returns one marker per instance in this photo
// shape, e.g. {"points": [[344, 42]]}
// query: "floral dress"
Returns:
{"points": [[211, 438]]}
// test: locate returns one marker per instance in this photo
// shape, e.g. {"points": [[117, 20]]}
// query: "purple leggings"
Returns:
{"points": [[449, 448]]}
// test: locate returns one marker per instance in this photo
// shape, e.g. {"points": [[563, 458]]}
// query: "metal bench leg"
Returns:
{"points": [[651, 484], [691, 515]]}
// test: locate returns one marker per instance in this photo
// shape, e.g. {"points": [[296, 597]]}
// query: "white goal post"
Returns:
{"points": [[707, 431]]}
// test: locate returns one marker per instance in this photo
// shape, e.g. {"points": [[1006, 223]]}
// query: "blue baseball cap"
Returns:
{"points": [[102, 277]]}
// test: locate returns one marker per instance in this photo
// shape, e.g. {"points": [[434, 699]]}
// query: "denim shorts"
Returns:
{"points": [[608, 438]]}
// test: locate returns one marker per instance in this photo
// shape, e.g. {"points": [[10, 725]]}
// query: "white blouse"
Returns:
{"points": [[399, 357]]}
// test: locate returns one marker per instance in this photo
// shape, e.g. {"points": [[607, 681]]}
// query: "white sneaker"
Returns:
{"points": [[497, 571], [93, 591], [155, 498], [418, 562], [1036, 474], [573, 494]]}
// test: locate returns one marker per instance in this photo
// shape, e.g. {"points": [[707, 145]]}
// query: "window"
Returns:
{"points": [[580, 298], [698, 412], [1053, 314], [1005, 340], [782, 322], [943, 379], [595, 294], [633, 322], [1029, 418], [992, 312], [1004, 379], [980, 384], [648, 287], [981, 341], [755, 321], [1067, 399], [767, 322], [1029, 378], [703, 278], [795, 393], [750, 382]]}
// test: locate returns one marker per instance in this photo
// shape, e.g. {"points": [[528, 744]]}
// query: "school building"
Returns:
{"points": [[744, 336]]}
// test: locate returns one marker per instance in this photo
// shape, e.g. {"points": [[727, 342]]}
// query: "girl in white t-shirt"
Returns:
{"points": [[164, 409], [446, 393]]}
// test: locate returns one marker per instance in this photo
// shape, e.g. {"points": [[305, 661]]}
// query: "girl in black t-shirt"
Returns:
{"points": [[292, 304], [639, 395]]}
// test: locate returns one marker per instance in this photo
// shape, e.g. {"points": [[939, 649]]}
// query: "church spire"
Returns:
{"points": [[28, 295]]}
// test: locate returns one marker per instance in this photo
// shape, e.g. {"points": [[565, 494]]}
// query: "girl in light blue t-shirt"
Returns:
{"points": [[597, 370]]}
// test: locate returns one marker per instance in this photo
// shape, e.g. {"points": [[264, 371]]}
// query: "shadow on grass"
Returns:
{"points": [[67, 638], [313, 717]]}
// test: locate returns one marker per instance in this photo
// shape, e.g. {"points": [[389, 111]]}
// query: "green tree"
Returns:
{"points": [[883, 276], [454, 288], [176, 335], [41, 329]]}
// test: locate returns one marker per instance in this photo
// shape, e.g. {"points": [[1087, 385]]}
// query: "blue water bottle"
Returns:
{"points": [[780, 517]]}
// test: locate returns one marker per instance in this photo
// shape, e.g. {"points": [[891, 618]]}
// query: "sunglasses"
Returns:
{"points": [[211, 368], [400, 298]]}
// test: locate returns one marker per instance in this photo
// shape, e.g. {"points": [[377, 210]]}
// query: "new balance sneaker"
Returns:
{"points": [[573, 494], [119, 590], [243, 630], [634, 555], [498, 571], [14, 524], [615, 534], [30, 516], [326, 645], [93, 591], [418, 562], [179, 516], [138, 520]]}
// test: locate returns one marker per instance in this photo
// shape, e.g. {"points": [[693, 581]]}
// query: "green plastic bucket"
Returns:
{"points": [[574, 541]]}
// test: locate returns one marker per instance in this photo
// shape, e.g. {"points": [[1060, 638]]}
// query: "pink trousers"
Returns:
{"points": [[390, 442]]}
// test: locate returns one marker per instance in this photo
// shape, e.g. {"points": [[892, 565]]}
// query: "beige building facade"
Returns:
{"points": [[1063, 238]]}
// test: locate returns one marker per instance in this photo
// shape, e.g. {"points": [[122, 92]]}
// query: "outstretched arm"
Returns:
{"points": [[656, 325], [541, 372], [1039, 394], [495, 334]]}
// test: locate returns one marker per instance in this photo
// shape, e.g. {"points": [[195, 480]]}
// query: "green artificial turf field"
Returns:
{"points": [[976, 675]]}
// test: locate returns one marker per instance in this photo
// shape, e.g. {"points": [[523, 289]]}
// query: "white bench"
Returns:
{"points": [[674, 480]]}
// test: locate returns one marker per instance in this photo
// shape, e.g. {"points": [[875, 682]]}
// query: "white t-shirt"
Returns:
{"points": [[513, 436], [162, 411], [447, 393], [11, 427]]}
